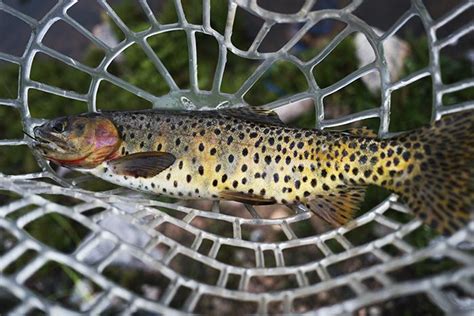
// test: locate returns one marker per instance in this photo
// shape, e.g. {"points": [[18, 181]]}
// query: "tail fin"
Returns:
{"points": [[440, 187]]}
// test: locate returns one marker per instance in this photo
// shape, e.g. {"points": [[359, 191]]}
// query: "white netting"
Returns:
{"points": [[187, 259]]}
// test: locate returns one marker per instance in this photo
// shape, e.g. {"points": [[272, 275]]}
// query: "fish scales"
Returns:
{"points": [[255, 158]]}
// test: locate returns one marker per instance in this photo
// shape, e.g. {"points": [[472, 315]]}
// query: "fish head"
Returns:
{"points": [[81, 141]]}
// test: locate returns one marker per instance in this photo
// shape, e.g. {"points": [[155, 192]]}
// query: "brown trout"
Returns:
{"points": [[252, 157]]}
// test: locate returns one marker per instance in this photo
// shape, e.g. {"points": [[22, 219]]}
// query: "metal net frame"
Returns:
{"points": [[145, 215]]}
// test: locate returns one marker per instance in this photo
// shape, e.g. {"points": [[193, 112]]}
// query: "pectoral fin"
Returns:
{"points": [[145, 165], [340, 207], [245, 198]]}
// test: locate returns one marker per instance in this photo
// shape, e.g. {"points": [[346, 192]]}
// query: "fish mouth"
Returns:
{"points": [[48, 141]]}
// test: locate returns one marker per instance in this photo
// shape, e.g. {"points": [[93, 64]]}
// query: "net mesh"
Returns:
{"points": [[186, 259]]}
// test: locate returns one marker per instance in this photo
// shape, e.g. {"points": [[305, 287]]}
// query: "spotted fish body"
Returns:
{"points": [[259, 160]]}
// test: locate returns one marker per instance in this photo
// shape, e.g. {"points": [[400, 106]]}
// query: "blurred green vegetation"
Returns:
{"points": [[411, 105]]}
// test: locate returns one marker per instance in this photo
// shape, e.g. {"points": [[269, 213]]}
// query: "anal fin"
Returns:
{"points": [[338, 208], [245, 198]]}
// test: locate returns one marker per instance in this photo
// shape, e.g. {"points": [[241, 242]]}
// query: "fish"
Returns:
{"points": [[251, 156]]}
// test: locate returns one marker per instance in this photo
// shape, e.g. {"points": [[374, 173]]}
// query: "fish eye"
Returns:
{"points": [[59, 126]]}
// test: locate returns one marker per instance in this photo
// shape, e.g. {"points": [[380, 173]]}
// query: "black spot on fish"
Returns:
{"points": [[224, 178], [231, 158], [380, 170], [325, 187], [373, 147], [276, 177], [201, 147], [218, 167], [268, 159], [230, 139], [201, 170], [418, 156], [213, 151], [245, 152], [256, 158], [244, 168], [396, 161], [406, 155]]}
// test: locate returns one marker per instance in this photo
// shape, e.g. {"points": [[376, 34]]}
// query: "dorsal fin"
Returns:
{"points": [[340, 207], [251, 114], [363, 131]]}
